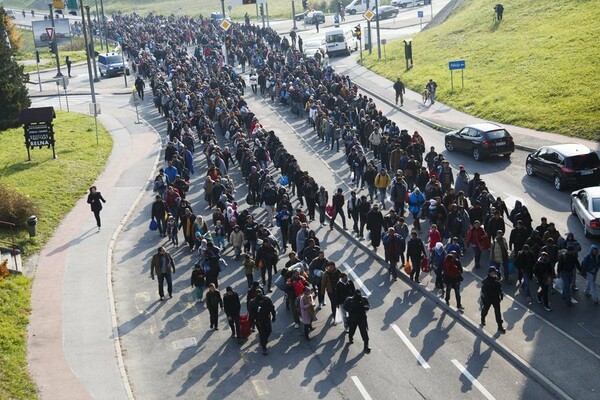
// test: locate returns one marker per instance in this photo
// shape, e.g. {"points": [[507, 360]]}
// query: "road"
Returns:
{"points": [[409, 331]]}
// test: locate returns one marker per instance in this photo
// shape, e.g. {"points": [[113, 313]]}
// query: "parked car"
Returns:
{"points": [[312, 17], [409, 3], [217, 17], [312, 46], [585, 205], [565, 165], [386, 12], [112, 64], [481, 140], [300, 17]]}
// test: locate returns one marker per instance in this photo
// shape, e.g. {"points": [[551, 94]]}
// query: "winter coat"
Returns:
{"points": [[231, 304], [462, 183], [415, 201], [330, 280], [307, 309], [236, 238], [491, 290], [343, 290], [524, 261], [591, 263], [213, 299], [499, 251]]}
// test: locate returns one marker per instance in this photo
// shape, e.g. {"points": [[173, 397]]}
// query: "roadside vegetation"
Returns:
{"points": [[51, 187], [537, 68]]}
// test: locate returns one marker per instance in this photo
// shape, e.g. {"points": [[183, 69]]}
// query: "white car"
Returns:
{"points": [[408, 3], [585, 205], [311, 47]]}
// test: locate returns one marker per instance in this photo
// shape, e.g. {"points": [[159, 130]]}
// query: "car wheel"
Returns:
{"points": [[477, 154], [557, 183], [507, 156], [352, 12], [529, 169], [449, 145]]}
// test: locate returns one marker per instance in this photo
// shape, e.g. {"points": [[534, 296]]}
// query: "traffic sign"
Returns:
{"points": [[225, 24], [62, 81], [50, 33], [458, 64], [229, 7], [368, 15], [419, 14]]}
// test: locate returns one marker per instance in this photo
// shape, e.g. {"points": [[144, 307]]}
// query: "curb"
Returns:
{"points": [[433, 125]]}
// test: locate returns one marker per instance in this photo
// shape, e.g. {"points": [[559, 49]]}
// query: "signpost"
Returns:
{"points": [[38, 127], [368, 15], [453, 65], [420, 16], [384, 42]]}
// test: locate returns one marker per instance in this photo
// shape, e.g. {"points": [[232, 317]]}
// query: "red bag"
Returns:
{"points": [[425, 266], [329, 210], [486, 242], [244, 326]]}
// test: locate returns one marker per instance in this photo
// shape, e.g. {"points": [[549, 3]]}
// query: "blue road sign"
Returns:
{"points": [[420, 14], [458, 64]]}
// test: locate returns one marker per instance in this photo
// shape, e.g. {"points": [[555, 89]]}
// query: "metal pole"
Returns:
{"points": [[103, 23], [377, 25], [123, 57], [58, 73], [462, 73], [66, 98], [58, 91], [267, 12], [37, 62], [294, 14], [451, 82], [431, 4], [256, 11], [224, 36], [98, 23], [369, 30], [91, 45], [89, 66]]}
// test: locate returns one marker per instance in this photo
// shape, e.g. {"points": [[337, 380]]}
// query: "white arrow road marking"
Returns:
{"points": [[357, 280], [474, 381], [410, 347], [361, 388]]}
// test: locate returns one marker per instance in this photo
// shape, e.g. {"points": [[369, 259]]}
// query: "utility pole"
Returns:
{"points": [[369, 30], [104, 23], [267, 11], [378, 33], [91, 52], [89, 66], [98, 22], [294, 14], [224, 36], [58, 73]]}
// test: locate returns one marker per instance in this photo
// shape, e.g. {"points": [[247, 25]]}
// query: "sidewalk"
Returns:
{"points": [[444, 118], [71, 336]]}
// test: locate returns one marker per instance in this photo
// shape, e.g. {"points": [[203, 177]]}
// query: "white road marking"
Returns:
{"points": [[357, 280], [473, 380], [361, 388], [260, 388], [410, 347]]}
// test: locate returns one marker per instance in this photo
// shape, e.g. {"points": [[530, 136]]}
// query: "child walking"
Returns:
{"points": [[198, 282], [220, 234], [249, 266], [172, 230]]}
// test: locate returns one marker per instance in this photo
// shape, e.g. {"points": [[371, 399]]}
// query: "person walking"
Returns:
{"points": [[187, 220], [477, 239], [213, 302], [589, 269], [139, 87], [266, 260], [159, 213], [415, 253], [524, 263], [343, 290], [499, 255], [162, 265], [329, 281], [453, 276], [307, 311], [232, 307], [357, 307], [262, 314], [394, 246], [544, 273], [69, 63], [400, 91], [338, 208], [375, 225], [567, 264], [94, 200], [198, 281], [491, 296], [431, 87]]}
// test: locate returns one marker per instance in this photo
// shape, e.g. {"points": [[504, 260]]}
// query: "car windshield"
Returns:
{"points": [[114, 60], [585, 161], [596, 204], [337, 38], [499, 134]]}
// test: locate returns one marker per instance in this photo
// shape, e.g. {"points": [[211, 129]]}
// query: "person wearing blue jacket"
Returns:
{"points": [[415, 201], [590, 267]]}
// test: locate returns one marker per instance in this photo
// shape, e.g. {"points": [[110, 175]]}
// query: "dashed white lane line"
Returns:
{"points": [[473, 380], [411, 347], [357, 280], [361, 388]]}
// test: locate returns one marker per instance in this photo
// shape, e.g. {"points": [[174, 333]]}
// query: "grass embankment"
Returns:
{"points": [[47, 60], [537, 68], [54, 185]]}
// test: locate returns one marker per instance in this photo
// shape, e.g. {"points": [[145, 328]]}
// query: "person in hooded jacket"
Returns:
{"points": [[491, 296], [453, 276], [343, 290], [375, 225], [415, 201], [544, 273], [461, 183], [524, 262], [568, 265], [589, 268], [415, 252], [394, 246], [357, 307], [562, 245], [232, 307], [437, 258]]}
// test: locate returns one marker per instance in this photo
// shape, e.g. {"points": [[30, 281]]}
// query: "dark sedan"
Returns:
{"points": [[481, 141], [565, 165]]}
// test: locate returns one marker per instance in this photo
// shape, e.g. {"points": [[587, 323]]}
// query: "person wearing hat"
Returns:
{"points": [[262, 313], [357, 307], [491, 296], [461, 183], [568, 263], [232, 307], [159, 213]]}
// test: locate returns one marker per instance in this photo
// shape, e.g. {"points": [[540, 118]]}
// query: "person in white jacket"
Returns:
{"points": [[375, 140]]}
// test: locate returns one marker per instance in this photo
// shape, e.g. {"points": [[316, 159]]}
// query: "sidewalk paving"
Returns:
{"points": [[71, 336], [443, 117]]}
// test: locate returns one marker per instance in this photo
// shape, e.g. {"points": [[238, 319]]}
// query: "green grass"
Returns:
{"points": [[54, 185], [15, 382], [536, 69]]}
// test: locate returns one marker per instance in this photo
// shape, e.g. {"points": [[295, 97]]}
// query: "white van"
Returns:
{"points": [[340, 41], [357, 6]]}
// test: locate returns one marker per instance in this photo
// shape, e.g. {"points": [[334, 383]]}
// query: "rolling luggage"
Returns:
{"points": [[244, 326]]}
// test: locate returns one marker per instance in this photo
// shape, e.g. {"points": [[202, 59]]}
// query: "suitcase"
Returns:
{"points": [[244, 326]]}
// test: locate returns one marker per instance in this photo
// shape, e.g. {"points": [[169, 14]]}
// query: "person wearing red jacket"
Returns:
{"points": [[453, 276], [478, 240], [434, 237]]}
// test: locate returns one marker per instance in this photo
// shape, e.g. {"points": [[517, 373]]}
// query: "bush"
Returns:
{"points": [[16, 207]]}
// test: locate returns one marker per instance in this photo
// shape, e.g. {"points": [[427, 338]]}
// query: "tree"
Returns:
{"points": [[13, 92]]}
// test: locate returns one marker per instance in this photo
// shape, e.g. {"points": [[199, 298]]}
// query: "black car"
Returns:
{"points": [[481, 141], [565, 165], [300, 17], [386, 12], [313, 17]]}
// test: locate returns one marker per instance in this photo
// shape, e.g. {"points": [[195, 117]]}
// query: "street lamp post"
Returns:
{"points": [[104, 24], [294, 14], [98, 22], [89, 66], [369, 30], [224, 36], [58, 73], [91, 52], [378, 32]]}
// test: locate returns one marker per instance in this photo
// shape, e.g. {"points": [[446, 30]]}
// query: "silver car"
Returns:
{"points": [[585, 205]]}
